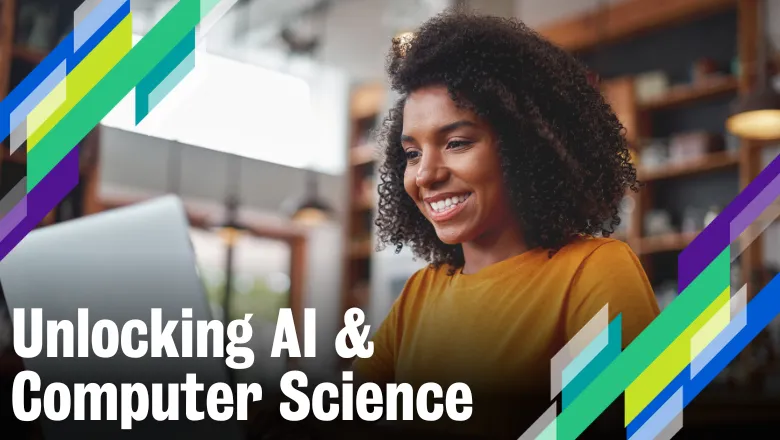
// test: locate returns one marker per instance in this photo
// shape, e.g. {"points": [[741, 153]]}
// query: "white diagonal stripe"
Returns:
{"points": [[574, 347], [541, 424]]}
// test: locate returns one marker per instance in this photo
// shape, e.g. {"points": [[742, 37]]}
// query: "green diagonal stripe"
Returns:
{"points": [[88, 113], [645, 349]]}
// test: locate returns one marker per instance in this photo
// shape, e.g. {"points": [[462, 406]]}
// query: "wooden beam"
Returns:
{"points": [[627, 19], [7, 15], [297, 303], [748, 33]]}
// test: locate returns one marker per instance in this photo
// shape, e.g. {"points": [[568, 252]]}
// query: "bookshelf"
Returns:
{"points": [[367, 103], [701, 81], [625, 41]]}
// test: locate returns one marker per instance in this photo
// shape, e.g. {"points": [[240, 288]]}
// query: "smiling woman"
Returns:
{"points": [[504, 169]]}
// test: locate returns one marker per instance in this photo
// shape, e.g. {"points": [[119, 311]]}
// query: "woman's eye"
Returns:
{"points": [[458, 144], [412, 154]]}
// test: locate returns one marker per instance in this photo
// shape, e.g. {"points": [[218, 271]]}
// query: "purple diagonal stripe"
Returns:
{"points": [[717, 236], [755, 208], [15, 216], [43, 198]]}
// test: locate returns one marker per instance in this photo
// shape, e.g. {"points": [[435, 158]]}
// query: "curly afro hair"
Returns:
{"points": [[565, 158]]}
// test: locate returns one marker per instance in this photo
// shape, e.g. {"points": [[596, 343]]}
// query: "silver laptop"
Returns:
{"points": [[119, 265]]}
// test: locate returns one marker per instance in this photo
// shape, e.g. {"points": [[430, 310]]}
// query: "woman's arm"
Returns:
{"points": [[611, 275]]}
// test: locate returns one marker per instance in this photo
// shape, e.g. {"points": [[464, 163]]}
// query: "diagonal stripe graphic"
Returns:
{"points": [[207, 5], [739, 301], [541, 425], [761, 310], [43, 198], [84, 77], [665, 414], [53, 101], [755, 208], [13, 197], [752, 232], [716, 237], [182, 17], [86, 23], [62, 53], [737, 323], [114, 86], [172, 80], [586, 357], [574, 347], [83, 11], [672, 428], [208, 21], [158, 75], [18, 137], [56, 77], [669, 364], [574, 419], [595, 367], [707, 333], [14, 218]]}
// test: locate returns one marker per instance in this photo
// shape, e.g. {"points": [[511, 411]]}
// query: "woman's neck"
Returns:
{"points": [[492, 247]]}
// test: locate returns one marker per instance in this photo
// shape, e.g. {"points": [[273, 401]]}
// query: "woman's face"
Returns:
{"points": [[453, 170]]}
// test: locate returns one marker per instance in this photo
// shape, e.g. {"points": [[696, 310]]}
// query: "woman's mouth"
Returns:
{"points": [[446, 208]]}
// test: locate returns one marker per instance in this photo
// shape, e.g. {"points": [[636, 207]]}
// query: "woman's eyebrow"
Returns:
{"points": [[443, 130], [454, 126]]}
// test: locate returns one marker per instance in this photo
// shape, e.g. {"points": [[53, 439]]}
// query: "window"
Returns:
{"points": [[240, 108]]}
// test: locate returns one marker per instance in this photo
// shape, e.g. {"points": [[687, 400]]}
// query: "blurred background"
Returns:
{"points": [[269, 143]]}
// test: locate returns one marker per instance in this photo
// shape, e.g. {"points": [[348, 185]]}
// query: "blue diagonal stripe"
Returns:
{"points": [[761, 310], [658, 421], [95, 20], [33, 99], [63, 52]]}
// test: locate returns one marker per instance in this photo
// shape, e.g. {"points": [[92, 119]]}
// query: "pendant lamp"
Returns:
{"points": [[757, 115], [312, 210]]}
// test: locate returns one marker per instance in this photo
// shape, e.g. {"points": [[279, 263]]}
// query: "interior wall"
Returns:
{"points": [[135, 165]]}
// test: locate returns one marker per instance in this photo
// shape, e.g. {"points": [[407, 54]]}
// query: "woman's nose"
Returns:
{"points": [[431, 175]]}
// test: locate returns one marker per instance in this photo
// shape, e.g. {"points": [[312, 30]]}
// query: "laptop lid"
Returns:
{"points": [[119, 265]]}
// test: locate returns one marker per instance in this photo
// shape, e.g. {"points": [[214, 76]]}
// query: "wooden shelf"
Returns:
{"points": [[665, 243], [362, 154], [686, 94], [364, 204], [710, 162], [367, 101], [626, 19], [361, 249], [31, 55]]}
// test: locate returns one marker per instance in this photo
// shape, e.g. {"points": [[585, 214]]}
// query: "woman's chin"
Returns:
{"points": [[450, 237]]}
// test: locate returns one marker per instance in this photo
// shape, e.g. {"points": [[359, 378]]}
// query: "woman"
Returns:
{"points": [[503, 165]]}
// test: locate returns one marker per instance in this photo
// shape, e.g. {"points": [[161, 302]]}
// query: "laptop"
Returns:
{"points": [[119, 265]]}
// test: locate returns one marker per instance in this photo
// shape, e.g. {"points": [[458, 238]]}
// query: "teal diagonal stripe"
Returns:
{"points": [[596, 365], [157, 81]]}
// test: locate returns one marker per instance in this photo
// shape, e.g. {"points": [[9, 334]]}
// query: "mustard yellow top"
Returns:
{"points": [[497, 329]]}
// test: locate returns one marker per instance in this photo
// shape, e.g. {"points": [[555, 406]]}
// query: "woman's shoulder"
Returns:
{"points": [[603, 248], [424, 282], [428, 275]]}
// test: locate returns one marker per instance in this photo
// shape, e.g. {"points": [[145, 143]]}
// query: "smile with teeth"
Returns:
{"points": [[448, 204]]}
